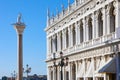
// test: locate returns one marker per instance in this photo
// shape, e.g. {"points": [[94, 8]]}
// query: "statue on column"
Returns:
{"points": [[19, 19]]}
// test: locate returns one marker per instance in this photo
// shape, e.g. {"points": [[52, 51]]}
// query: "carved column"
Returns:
{"points": [[87, 29], [69, 34], [108, 19], [76, 63], [48, 73], [58, 41], [93, 24], [70, 72], [96, 19], [117, 13], [58, 34], [76, 31], [104, 18], [84, 29], [63, 39]]}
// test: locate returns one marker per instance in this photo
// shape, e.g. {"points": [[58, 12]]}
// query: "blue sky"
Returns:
{"points": [[34, 38]]}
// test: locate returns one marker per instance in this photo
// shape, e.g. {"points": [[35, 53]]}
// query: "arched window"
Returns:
{"points": [[74, 35], [81, 32], [67, 38], [112, 20], [100, 24], [90, 29]]}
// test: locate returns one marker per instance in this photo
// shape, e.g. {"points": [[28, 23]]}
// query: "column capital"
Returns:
{"points": [[19, 28]]}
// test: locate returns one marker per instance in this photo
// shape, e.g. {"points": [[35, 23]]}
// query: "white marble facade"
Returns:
{"points": [[87, 32]]}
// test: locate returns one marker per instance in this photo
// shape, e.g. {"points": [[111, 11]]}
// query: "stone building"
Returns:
{"points": [[88, 33]]}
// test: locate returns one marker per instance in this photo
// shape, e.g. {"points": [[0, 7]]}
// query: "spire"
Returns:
{"points": [[75, 2], [53, 16], [48, 17], [62, 9], [57, 12], [68, 3]]}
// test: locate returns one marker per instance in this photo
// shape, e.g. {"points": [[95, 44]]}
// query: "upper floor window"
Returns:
{"points": [[81, 32], [74, 35], [112, 20], [90, 29], [55, 42], [100, 24], [67, 38]]}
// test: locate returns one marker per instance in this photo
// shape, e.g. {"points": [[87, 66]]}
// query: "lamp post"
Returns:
{"points": [[62, 63], [13, 75], [28, 70]]}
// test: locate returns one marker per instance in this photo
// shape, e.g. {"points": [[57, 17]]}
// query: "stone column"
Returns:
{"points": [[104, 21], [87, 29], [19, 27], [76, 63], [108, 19], [48, 73], [117, 13], [93, 24], [96, 19], [83, 62], [76, 31], [84, 30], [59, 41], [65, 39], [71, 35]]}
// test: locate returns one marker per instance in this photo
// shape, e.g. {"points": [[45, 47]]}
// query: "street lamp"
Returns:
{"points": [[28, 70], [63, 63], [13, 75]]}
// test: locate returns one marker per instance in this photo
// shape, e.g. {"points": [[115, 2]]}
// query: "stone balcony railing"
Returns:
{"points": [[84, 45]]}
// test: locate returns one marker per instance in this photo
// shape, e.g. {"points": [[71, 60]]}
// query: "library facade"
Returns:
{"points": [[87, 33]]}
